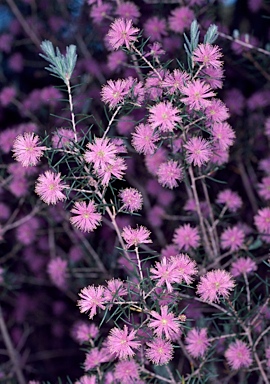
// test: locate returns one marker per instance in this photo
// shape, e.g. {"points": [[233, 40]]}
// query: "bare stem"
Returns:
{"points": [[13, 354], [71, 110]]}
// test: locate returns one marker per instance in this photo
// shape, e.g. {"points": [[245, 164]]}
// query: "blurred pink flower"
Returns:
{"points": [[57, 270], [232, 238], [126, 372], [243, 266], [159, 351], [197, 342], [155, 28], [238, 355], [128, 10], [180, 19], [186, 237], [230, 198]]}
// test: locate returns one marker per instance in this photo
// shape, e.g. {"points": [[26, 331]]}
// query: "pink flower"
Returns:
{"points": [[128, 10], [139, 235], [100, 11], [116, 60], [243, 266], [231, 199], [213, 76], [169, 173], [262, 220], [101, 153], [186, 237], [57, 269], [232, 238], [91, 298], [165, 324], [126, 372], [144, 139], [198, 151], [164, 116], [49, 187], [83, 332], [121, 343], [114, 92], [223, 134], [215, 284], [27, 149], [197, 92], [238, 355], [159, 351], [85, 379], [121, 33], [94, 358], [181, 18], [208, 55], [87, 218], [7, 94], [154, 83], [115, 289], [165, 273], [185, 268], [116, 169], [62, 138], [216, 111], [132, 199], [197, 342], [155, 28], [175, 81], [264, 188]]}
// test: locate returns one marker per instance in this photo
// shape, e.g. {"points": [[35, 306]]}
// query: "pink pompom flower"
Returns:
{"points": [[198, 151], [215, 284], [165, 323], [144, 139], [197, 342], [121, 33], [49, 187], [159, 351], [164, 116], [27, 149], [262, 220], [57, 269], [101, 152], [186, 237], [208, 55], [114, 92], [126, 372], [165, 273], [91, 298], [196, 94], [132, 199], [169, 173], [238, 355], [121, 343], [86, 219], [232, 238], [243, 266], [185, 268], [139, 235], [231, 199]]}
